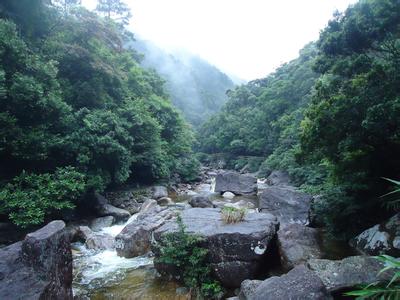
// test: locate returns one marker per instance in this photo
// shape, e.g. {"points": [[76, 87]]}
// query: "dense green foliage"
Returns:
{"points": [[352, 124], [30, 198], [390, 290], [71, 95], [262, 118], [183, 251], [197, 88], [330, 117]]}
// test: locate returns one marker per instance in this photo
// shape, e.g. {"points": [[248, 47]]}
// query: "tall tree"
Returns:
{"points": [[114, 9]]}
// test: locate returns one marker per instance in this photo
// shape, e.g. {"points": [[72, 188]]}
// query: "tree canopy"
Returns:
{"points": [[329, 118], [72, 97]]}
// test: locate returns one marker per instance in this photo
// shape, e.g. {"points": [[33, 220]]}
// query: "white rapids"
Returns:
{"points": [[93, 269]]}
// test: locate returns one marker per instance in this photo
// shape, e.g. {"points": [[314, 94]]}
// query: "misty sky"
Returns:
{"points": [[245, 38]]}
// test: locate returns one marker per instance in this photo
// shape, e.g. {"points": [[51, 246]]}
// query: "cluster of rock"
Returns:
{"points": [[39, 267], [135, 239]]}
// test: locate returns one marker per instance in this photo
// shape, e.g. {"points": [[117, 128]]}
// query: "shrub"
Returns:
{"points": [[29, 198], [231, 215], [390, 290], [183, 251]]}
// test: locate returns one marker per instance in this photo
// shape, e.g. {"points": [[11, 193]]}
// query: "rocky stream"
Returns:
{"points": [[276, 252]]}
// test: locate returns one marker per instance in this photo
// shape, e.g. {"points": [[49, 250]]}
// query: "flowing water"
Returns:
{"points": [[105, 275]]}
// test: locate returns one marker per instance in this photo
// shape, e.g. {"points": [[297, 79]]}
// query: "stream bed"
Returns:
{"points": [[105, 275]]}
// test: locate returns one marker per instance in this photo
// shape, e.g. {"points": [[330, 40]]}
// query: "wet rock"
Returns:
{"points": [[132, 207], [239, 184], [297, 244], [288, 204], [40, 267], [135, 239], [228, 195], [100, 242], [159, 191], [380, 239], [235, 251], [103, 209], [280, 178], [99, 223], [299, 283], [164, 201], [248, 288], [82, 233], [349, 272], [147, 206], [201, 201], [118, 213]]}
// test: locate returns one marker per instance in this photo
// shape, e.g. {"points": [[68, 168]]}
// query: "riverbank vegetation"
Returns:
{"points": [[74, 98], [329, 118]]}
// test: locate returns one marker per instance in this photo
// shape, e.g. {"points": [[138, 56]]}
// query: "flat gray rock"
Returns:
{"points": [[236, 251], [300, 284], [287, 203], [297, 244], [348, 272], [239, 184], [118, 213]]}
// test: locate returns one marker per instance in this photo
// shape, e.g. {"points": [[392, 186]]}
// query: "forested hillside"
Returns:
{"points": [[77, 111], [197, 88], [330, 118]]}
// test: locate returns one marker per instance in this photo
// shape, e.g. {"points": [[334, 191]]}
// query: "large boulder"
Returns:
{"points": [[103, 208], [352, 271], [235, 251], [99, 223], [82, 233], [129, 199], [135, 239], [287, 203], [39, 267], [100, 241], [248, 288], [297, 244], [239, 184], [280, 178], [380, 239], [201, 201], [299, 283], [159, 191], [118, 213]]}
